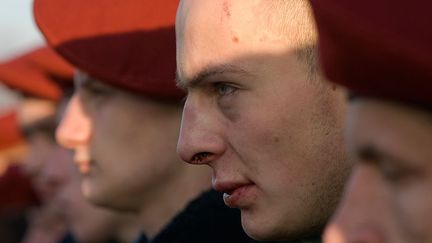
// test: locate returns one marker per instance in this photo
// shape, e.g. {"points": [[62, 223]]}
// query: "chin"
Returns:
{"points": [[108, 199], [92, 195], [259, 228], [263, 234], [86, 189], [267, 228]]}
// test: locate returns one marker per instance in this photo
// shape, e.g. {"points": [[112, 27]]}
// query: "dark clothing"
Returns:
{"points": [[316, 239], [205, 220], [68, 238], [141, 239]]}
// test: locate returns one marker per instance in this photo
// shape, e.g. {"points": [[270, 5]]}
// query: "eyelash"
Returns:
{"points": [[95, 91], [390, 172], [92, 96], [219, 86], [393, 174]]}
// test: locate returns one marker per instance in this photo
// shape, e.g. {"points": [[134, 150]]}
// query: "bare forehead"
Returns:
{"points": [[206, 26], [219, 32], [238, 18], [198, 22], [192, 8], [196, 18]]}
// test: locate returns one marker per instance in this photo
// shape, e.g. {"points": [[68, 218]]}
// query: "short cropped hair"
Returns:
{"points": [[293, 20]]}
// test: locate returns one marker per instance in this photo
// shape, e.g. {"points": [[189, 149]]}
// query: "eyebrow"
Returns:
{"points": [[207, 73], [88, 81], [369, 153]]}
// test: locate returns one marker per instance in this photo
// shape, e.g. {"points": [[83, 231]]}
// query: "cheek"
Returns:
{"points": [[415, 209], [114, 133], [265, 146]]}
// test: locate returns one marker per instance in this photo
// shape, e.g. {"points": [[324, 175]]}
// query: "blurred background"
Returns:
{"points": [[18, 33], [40, 195]]}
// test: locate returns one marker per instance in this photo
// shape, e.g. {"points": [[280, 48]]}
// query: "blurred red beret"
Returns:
{"points": [[127, 43], [53, 64], [37, 73], [378, 48], [10, 133], [16, 190]]}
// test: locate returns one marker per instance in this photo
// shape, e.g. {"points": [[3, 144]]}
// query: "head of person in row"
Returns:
{"points": [[123, 119], [259, 113], [381, 53], [43, 79]]}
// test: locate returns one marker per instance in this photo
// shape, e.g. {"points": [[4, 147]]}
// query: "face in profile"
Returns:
{"points": [[388, 196], [124, 145], [58, 183], [266, 124], [37, 125]]}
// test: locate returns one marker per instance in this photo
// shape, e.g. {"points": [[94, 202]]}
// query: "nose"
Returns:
{"points": [[74, 129], [359, 217], [201, 139]]}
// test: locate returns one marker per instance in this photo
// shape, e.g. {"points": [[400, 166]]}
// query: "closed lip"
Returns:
{"points": [[82, 160], [83, 166], [237, 195]]}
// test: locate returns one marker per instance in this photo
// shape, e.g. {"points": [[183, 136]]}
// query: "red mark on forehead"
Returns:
{"points": [[235, 39], [226, 8]]}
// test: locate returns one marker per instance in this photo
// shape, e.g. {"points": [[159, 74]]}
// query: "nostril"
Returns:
{"points": [[200, 158]]}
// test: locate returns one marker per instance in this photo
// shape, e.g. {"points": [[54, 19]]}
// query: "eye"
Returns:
{"points": [[392, 173], [96, 91], [393, 170], [400, 174], [224, 89]]}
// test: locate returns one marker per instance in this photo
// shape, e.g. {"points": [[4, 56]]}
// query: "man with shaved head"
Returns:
{"points": [[260, 115]]}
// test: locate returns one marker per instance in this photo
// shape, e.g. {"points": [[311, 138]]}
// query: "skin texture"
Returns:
{"points": [[388, 197], [125, 148], [254, 115]]}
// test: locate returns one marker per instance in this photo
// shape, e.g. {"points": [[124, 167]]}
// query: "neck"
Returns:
{"points": [[128, 228], [175, 195]]}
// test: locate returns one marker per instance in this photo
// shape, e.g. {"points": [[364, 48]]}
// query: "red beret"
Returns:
{"points": [[52, 64], [127, 43], [36, 73], [378, 48], [10, 133], [16, 190]]}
